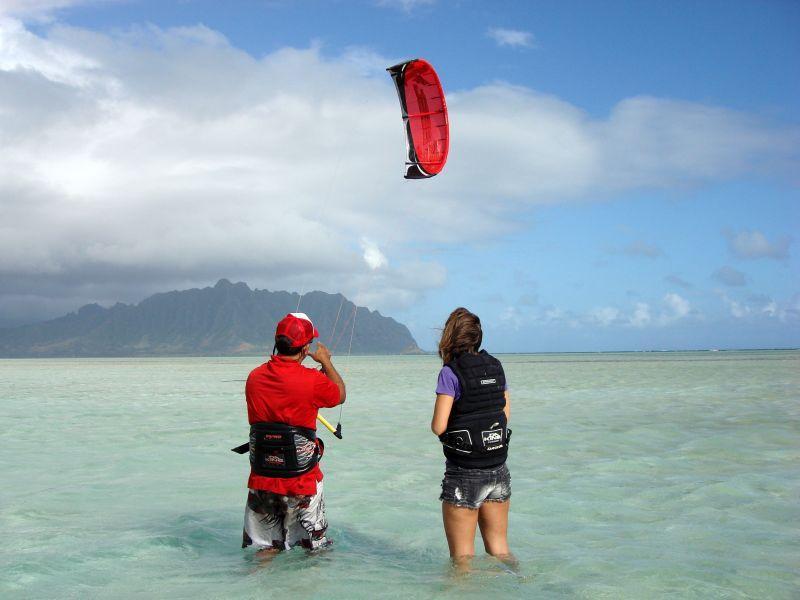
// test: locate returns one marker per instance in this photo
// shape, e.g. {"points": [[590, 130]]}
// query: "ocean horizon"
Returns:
{"points": [[343, 357]]}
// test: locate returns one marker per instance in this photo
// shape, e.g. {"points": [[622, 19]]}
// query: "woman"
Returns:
{"points": [[471, 417]]}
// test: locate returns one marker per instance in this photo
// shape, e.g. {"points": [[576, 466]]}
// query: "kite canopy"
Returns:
{"points": [[425, 117]]}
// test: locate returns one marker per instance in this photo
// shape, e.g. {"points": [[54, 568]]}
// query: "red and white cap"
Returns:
{"points": [[298, 328]]}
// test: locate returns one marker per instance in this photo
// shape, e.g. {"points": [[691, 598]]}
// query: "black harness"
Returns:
{"points": [[477, 435], [281, 450]]}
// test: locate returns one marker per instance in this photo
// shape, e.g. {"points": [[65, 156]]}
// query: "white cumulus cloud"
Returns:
{"points": [[150, 158], [511, 37], [373, 256], [678, 307]]}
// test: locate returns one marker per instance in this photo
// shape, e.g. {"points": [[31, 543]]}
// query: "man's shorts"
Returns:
{"points": [[280, 522], [469, 488]]}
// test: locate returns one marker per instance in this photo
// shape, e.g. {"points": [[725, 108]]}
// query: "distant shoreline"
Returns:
{"points": [[422, 353]]}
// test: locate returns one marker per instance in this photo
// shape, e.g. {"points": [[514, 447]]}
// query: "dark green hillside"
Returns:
{"points": [[222, 320]]}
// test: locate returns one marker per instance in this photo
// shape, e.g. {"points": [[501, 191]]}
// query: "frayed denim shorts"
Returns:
{"points": [[470, 488]]}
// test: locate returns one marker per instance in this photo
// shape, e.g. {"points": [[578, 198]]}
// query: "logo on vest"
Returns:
{"points": [[488, 381], [275, 458], [492, 439]]}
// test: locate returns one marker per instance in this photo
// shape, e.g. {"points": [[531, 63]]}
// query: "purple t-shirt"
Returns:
{"points": [[448, 383]]}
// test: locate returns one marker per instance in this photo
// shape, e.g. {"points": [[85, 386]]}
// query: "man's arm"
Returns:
{"points": [[323, 356]]}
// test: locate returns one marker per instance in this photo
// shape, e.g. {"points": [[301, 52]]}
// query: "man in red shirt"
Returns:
{"points": [[285, 503]]}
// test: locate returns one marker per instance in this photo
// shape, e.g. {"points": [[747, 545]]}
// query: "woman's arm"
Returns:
{"points": [[507, 407], [441, 413]]}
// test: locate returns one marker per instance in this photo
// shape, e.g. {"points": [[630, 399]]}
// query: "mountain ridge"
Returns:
{"points": [[224, 319]]}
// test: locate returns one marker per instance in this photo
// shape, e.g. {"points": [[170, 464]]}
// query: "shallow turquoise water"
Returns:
{"points": [[634, 476]]}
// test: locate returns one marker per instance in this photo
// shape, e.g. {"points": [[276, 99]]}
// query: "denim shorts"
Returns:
{"points": [[470, 488]]}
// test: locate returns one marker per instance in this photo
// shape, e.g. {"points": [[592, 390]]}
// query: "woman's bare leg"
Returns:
{"points": [[493, 521], [459, 526]]}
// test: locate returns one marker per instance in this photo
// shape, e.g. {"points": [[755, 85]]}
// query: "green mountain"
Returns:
{"points": [[226, 319]]}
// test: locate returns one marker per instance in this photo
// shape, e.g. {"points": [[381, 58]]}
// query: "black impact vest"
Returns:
{"points": [[477, 435], [281, 450]]}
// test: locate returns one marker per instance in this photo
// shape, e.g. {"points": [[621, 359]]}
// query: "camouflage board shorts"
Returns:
{"points": [[281, 522]]}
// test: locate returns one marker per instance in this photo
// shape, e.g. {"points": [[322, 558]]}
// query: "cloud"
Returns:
{"points": [[604, 316], [127, 192], [641, 315], [41, 9], [150, 159], [730, 276], [511, 317], [637, 248], [556, 315], [405, 5], [678, 307], [645, 143], [751, 244], [736, 309], [759, 306], [373, 256], [514, 38], [392, 288], [673, 308], [679, 281], [640, 248]]}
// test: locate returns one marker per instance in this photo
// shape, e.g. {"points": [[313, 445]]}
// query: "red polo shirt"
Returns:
{"points": [[284, 391]]}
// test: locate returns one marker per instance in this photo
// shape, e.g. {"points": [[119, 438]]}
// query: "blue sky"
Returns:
{"points": [[623, 175], [738, 54]]}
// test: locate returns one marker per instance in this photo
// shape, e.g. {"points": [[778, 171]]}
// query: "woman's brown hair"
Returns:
{"points": [[462, 333]]}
